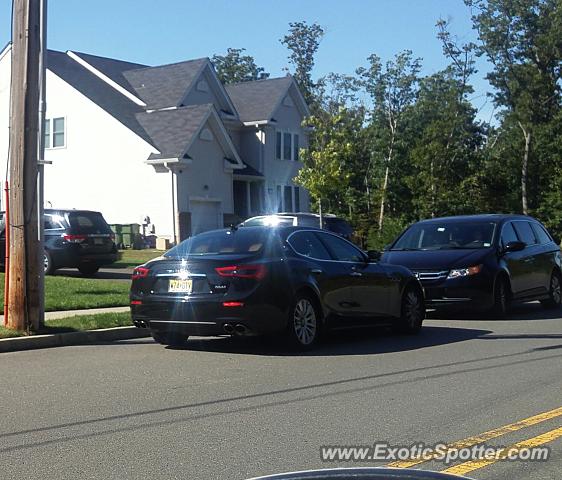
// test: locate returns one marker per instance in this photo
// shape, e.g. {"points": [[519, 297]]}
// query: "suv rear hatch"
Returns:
{"points": [[91, 231]]}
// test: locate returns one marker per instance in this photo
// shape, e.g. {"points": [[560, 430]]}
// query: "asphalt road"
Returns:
{"points": [[225, 409], [122, 274]]}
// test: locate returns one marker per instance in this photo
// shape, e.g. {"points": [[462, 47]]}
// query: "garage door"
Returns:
{"points": [[204, 216]]}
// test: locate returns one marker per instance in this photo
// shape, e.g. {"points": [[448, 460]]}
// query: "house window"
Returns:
{"points": [[287, 146], [47, 132], [278, 146], [288, 200], [55, 133], [297, 200]]}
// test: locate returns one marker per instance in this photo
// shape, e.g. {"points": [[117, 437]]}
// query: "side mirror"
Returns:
{"points": [[373, 255], [514, 247], [556, 239]]}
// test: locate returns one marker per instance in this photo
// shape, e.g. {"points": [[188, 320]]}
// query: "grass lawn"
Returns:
{"points": [[132, 258], [77, 323], [64, 293]]}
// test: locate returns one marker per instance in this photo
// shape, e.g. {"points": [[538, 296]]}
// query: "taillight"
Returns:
{"points": [[256, 272], [74, 238], [136, 302], [140, 272], [232, 304]]}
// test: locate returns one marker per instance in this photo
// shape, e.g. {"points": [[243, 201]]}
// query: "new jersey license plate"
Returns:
{"points": [[180, 286]]}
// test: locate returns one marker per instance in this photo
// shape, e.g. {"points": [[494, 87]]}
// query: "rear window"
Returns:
{"points": [[269, 221], [222, 242], [87, 222]]}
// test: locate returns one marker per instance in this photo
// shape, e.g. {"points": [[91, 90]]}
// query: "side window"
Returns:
{"points": [[340, 249], [525, 232], [541, 233], [508, 234], [308, 245]]}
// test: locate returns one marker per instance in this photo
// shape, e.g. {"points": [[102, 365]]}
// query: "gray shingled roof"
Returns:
{"points": [[98, 91], [172, 130], [112, 68], [256, 101], [164, 86]]}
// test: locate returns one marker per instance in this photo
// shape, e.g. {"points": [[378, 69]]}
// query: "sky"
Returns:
{"points": [[166, 31]]}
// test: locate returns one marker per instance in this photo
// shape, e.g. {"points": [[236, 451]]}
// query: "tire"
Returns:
{"points": [[304, 323], [48, 265], [169, 339], [412, 312], [555, 295], [501, 298], [88, 269]]}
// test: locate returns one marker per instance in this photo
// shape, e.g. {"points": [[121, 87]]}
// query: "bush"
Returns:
{"points": [[391, 228]]}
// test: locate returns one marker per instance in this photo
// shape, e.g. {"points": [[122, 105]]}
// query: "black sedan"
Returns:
{"points": [[264, 280], [481, 261]]}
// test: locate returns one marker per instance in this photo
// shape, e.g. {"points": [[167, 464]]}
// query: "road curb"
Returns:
{"points": [[71, 338]]}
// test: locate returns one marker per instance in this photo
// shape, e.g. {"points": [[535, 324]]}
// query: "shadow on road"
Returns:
{"points": [[525, 311], [349, 342]]}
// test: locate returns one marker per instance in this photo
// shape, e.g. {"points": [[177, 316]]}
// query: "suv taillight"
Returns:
{"points": [[74, 238], [256, 272], [140, 272]]}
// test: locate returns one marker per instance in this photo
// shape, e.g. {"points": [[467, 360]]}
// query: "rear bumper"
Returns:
{"points": [[73, 258], [205, 318]]}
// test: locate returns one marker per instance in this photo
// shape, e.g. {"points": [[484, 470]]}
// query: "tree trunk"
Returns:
{"points": [[524, 168], [383, 197], [320, 212]]}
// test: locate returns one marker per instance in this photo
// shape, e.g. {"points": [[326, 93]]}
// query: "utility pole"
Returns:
{"points": [[23, 299]]}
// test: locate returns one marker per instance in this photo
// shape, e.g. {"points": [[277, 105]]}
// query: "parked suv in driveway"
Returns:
{"points": [[73, 238], [483, 261], [329, 222]]}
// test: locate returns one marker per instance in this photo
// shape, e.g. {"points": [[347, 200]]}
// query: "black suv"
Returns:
{"points": [[329, 222], [73, 238], [484, 261]]}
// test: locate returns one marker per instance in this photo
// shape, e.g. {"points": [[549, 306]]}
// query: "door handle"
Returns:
{"points": [[356, 274], [316, 271]]}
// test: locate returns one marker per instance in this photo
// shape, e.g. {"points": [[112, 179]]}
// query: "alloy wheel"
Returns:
{"points": [[412, 309], [304, 322]]}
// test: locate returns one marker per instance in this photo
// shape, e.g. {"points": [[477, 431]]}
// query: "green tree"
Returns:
{"points": [[393, 88], [522, 41], [303, 41], [235, 67]]}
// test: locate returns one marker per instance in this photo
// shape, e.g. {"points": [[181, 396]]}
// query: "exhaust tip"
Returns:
{"points": [[228, 328], [240, 329]]}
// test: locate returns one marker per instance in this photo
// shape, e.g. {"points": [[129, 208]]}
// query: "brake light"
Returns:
{"points": [[74, 238], [256, 272], [140, 272], [136, 302], [232, 304]]}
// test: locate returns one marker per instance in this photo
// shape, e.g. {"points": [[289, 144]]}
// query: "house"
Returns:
{"points": [[168, 145]]}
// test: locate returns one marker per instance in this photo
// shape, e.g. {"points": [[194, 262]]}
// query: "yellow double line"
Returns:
{"points": [[469, 466]]}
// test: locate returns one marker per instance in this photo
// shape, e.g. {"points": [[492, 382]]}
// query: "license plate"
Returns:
{"points": [[98, 241], [180, 286]]}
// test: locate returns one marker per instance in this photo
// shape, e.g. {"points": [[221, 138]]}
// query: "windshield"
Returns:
{"points": [[444, 236], [221, 242]]}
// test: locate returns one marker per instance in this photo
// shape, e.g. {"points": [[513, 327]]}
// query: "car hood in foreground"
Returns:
{"points": [[436, 259]]}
